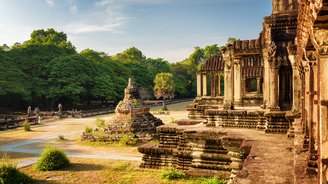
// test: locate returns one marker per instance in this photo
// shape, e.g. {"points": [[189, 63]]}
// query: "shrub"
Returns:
{"points": [[88, 130], [171, 174], [100, 123], [128, 139], [61, 137], [9, 174], [52, 158], [27, 125]]}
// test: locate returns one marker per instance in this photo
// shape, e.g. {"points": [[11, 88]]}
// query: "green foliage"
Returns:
{"points": [[12, 79], [213, 180], [211, 50], [100, 123], [87, 130], [164, 86], [27, 125], [46, 68], [128, 139], [130, 54], [49, 37], [9, 174], [135, 102], [52, 158], [171, 174]]}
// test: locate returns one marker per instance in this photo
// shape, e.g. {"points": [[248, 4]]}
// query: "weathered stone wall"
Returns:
{"points": [[197, 150]]}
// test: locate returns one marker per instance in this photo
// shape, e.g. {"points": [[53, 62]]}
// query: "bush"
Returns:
{"points": [[128, 139], [61, 137], [9, 174], [170, 174], [52, 158], [100, 123], [27, 125], [87, 130]]}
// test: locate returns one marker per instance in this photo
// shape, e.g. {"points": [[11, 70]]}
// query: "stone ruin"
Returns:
{"points": [[131, 116], [289, 65], [197, 150]]}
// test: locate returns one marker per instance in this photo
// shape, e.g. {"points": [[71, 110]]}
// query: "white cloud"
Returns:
{"points": [[109, 19], [72, 6], [50, 2]]}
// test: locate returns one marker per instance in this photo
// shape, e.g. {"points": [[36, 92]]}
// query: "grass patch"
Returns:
{"points": [[171, 174], [52, 158], [9, 174]]}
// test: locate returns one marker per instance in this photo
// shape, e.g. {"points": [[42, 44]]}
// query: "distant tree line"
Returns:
{"points": [[47, 69]]}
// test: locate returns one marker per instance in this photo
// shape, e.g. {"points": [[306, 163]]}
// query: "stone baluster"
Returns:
{"points": [[236, 154]]}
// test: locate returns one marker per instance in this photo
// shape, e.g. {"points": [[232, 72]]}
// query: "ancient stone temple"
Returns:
{"points": [[276, 83], [132, 116]]}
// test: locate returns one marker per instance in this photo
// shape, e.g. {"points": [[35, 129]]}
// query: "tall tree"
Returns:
{"points": [[130, 54], [211, 50], [164, 87], [50, 37], [70, 77]]}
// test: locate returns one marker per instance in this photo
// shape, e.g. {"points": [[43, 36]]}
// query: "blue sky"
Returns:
{"points": [[167, 29]]}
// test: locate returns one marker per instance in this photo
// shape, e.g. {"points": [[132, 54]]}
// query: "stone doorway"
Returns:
{"points": [[285, 87]]}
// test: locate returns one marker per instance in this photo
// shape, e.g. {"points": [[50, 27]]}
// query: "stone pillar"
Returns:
{"points": [[228, 85], [218, 83], [266, 80], [204, 82], [213, 86], [258, 85], [199, 85], [296, 79], [306, 96], [323, 114], [274, 87], [237, 82]]}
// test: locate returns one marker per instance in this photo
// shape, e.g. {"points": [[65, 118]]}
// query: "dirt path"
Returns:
{"points": [[270, 160]]}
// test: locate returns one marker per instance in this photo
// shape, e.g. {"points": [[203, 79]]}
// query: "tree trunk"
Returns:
{"points": [[164, 104]]}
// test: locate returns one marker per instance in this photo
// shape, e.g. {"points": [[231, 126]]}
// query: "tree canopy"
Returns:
{"points": [[46, 69]]}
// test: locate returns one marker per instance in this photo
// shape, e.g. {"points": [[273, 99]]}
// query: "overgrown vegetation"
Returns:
{"points": [[52, 158], [169, 173], [9, 174], [100, 123], [87, 130], [27, 125]]}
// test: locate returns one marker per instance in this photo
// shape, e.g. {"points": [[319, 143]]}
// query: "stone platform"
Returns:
{"points": [[196, 149], [241, 155]]}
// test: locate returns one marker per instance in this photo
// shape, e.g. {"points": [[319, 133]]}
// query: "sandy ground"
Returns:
{"points": [[16, 142]]}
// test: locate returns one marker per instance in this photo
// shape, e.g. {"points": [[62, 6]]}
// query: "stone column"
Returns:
{"points": [[323, 114], [218, 83], [199, 85], [228, 85], [237, 82], [296, 78], [266, 79], [274, 86], [258, 85], [213, 86], [204, 81]]}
